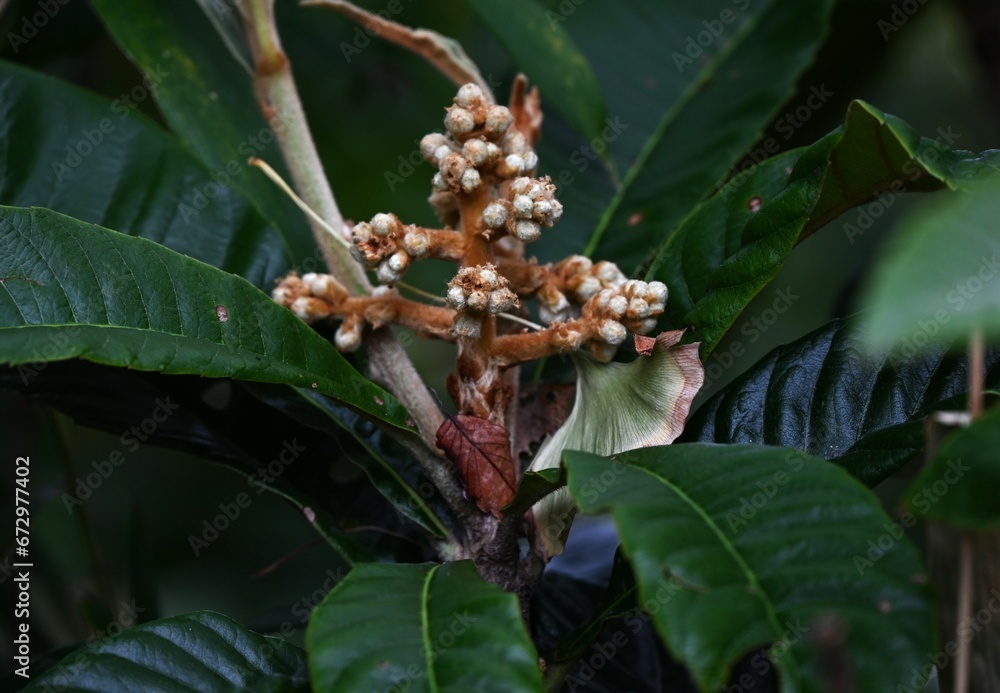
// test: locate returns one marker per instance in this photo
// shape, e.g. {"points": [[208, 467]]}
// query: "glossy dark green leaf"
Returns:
{"points": [[732, 76], [103, 162], [827, 395], [393, 470], [940, 276], [421, 628], [534, 486], [732, 245], [958, 486], [76, 290], [200, 651], [741, 546], [541, 49], [207, 98]]}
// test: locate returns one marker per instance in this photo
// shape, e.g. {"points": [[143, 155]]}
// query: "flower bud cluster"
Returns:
{"points": [[633, 306], [313, 297], [530, 205], [476, 291], [581, 279], [480, 147], [385, 243]]}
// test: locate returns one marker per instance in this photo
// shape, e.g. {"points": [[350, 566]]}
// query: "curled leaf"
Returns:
{"points": [[618, 407], [480, 450]]}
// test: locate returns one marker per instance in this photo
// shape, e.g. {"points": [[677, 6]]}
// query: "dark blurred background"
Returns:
{"points": [[130, 541]]}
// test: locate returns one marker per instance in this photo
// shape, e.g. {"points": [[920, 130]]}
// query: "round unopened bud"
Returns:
{"points": [[348, 336], [608, 273], [638, 309], [459, 121], [495, 215], [416, 243], [515, 163], [467, 325], [438, 182], [324, 286], [588, 288], [523, 206], [657, 295], [527, 230], [478, 300], [430, 144], [613, 332], [385, 224], [476, 151], [399, 261], [489, 278], [500, 301], [542, 209], [515, 143], [441, 152], [602, 351], [309, 277], [386, 274], [310, 309], [469, 96], [361, 233], [618, 306], [470, 180], [530, 161], [645, 326], [519, 186], [455, 297], [498, 119]]}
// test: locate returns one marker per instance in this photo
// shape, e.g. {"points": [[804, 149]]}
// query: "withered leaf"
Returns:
{"points": [[480, 450], [644, 345]]}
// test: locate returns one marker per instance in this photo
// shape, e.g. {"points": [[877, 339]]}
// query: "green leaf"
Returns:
{"points": [[103, 163], [200, 651], [827, 395], [532, 488], [393, 471], [959, 484], [741, 546], [421, 628], [939, 279], [207, 98], [730, 91], [73, 290], [618, 407], [541, 49], [726, 251]]}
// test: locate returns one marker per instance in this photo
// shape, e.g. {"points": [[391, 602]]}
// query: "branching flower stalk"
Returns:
{"points": [[491, 203]]}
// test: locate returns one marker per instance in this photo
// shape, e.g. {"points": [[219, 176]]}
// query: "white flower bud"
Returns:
{"points": [[467, 325], [530, 160], [308, 277], [478, 300], [470, 180], [523, 206], [430, 144], [281, 295], [441, 152], [609, 273], [527, 230], [386, 274], [309, 309], [469, 96], [455, 297], [416, 243], [618, 306], [489, 278], [384, 224], [637, 309], [557, 211], [476, 151], [362, 232], [498, 119], [646, 326], [492, 151], [542, 209], [515, 162], [495, 215], [348, 336], [515, 143], [519, 186], [500, 301], [613, 332], [399, 261], [588, 288], [459, 121], [438, 182], [602, 351]]}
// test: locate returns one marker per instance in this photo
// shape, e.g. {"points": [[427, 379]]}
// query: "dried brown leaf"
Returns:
{"points": [[542, 409], [480, 450]]}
